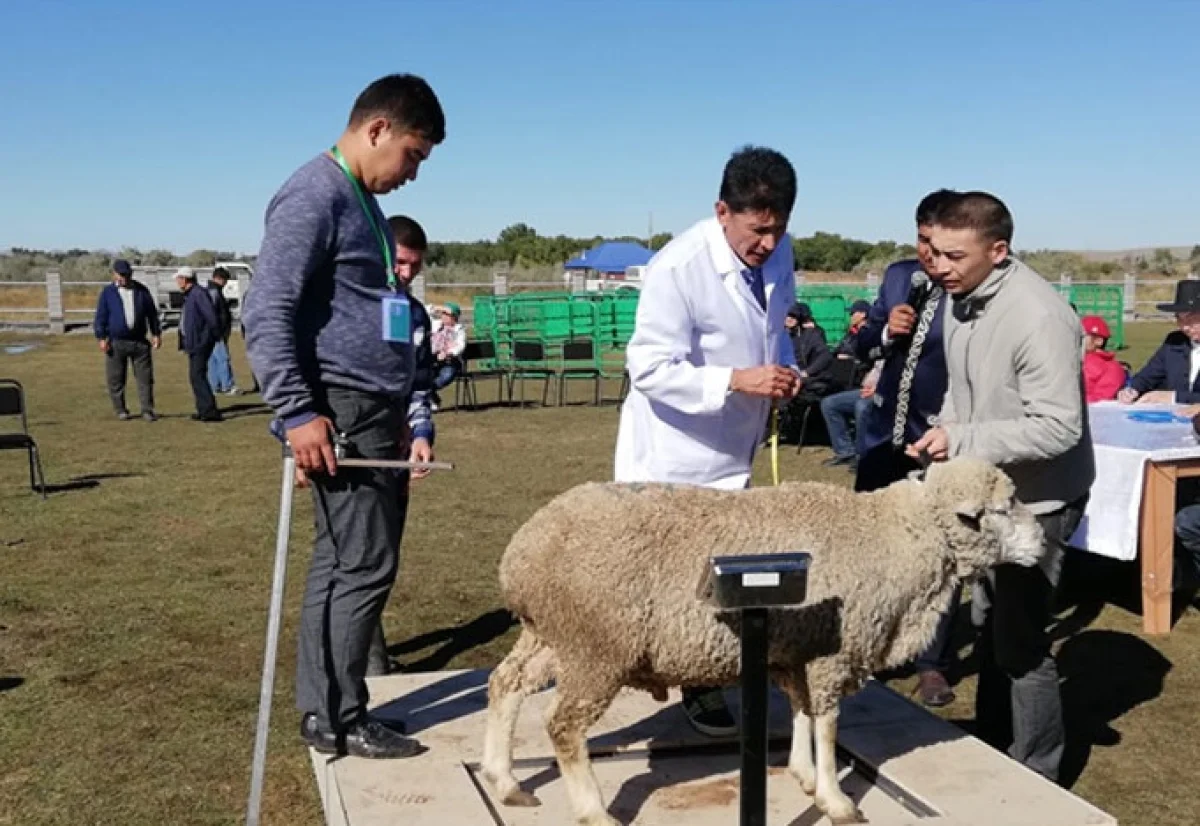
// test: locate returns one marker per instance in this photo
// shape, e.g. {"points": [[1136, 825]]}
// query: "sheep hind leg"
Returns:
{"points": [[800, 761], [581, 700], [830, 798], [528, 668]]}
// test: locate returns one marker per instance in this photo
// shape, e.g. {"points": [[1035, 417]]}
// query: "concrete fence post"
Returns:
{"points": [[418, 288], [54, 302], [578, 282], [499, 283], [1129, 298]]}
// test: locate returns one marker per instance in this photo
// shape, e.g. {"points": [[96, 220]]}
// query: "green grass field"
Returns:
{"points": [[133, 604]]}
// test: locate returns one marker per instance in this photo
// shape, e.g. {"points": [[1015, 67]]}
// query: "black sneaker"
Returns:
{"points": [[375, 741], [835, 460], [150, 415], [707, 712], [124, 415]]}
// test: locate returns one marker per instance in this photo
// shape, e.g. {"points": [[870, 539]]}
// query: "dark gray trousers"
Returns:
{"points": [[119, 353], [1018, 706], [355, 556], [378, 662], [206, 402]]}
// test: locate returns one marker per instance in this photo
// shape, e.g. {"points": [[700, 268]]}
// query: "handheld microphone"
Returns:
{"points": [[918, 288]]}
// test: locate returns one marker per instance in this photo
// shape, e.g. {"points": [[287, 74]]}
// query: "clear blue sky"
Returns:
{"points": [[164, 124]]}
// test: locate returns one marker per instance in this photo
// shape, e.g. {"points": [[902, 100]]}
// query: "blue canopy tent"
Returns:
{"points": [[611, 257]]}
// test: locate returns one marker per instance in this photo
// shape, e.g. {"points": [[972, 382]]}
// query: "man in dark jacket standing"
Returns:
{"points": [[220, 371], [125, 313], [199, 332], [904, 329]]}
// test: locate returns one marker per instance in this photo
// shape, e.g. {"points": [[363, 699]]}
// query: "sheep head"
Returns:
{"points": [[976, 504]]}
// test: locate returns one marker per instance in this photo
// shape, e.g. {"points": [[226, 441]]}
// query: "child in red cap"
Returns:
{"points": [[1103, 376]]}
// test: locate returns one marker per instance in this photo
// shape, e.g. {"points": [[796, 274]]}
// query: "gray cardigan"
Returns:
{"points": [[1014, 351]]}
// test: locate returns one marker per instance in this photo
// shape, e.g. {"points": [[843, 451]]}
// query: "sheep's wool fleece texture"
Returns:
{"points": [[606, 576]]}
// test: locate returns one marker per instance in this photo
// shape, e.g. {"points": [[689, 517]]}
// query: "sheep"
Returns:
{"points": [[604, 581]]}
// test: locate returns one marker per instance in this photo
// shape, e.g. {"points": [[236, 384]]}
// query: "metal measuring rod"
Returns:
{"points": [[341, 450], [751, 585]]}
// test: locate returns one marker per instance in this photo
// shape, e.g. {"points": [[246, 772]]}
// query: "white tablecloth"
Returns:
{"points": [[1123, 447]]}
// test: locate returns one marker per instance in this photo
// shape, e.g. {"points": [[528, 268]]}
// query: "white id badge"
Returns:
{"points": [[397, 319]]}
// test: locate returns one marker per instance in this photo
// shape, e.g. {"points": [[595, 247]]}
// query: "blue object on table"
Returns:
{"points": [[1156, 417]]}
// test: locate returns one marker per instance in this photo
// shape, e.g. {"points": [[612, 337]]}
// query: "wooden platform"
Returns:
{"points": [[903, 766]]}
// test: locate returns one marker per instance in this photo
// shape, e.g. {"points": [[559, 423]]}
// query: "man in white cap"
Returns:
{"points": [[199, 332]]}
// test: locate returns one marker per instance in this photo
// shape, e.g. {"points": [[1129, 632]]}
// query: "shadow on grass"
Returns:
{"points": [[1105, 675], [455, 640], [88, 481], [237, 411], [9, 683]]}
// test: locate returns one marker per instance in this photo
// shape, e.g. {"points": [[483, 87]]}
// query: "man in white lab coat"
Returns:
{"points": [[710, 351]]}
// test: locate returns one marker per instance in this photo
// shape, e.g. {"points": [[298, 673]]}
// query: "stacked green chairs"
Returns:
{"points": [[1104, 300]]}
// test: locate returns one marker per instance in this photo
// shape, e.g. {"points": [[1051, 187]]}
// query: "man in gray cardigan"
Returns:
{"points": [[1015, 398]]}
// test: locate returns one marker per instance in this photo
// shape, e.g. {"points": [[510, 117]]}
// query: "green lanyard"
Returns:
{"points": [[362, 200]]}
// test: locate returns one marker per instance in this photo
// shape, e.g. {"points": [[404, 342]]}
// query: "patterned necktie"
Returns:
{"points": [[754, 279], [904, 395]]}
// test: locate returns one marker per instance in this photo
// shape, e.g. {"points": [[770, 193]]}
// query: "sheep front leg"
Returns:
{"points": [[830, 798], [577, 706], [800, 762]]}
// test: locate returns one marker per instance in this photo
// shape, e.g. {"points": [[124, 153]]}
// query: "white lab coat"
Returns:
{"points": [[696, 321]]}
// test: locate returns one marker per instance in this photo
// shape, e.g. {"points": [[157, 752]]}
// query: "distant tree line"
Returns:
{"points": [[520, 245]]}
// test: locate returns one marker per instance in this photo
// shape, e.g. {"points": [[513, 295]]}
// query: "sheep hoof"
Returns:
{"points": [[659, 694], [520, 797], [599, 820], [508, 791], [842, 812]]}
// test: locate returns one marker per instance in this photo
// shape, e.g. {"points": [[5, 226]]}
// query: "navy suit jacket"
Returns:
{"points": [[199, 326], [1169, 369], [929, 380]]}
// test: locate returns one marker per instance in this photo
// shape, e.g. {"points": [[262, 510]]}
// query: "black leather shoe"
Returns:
{"points": [[375, 741], [319, 738]]}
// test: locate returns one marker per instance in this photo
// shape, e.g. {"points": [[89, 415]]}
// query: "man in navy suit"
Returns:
{"points": [[904, 329], [1172, 372]]}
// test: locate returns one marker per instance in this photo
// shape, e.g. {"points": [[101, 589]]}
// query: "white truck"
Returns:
{"points": [[161, 283]]}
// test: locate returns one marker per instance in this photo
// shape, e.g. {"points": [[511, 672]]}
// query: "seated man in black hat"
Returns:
{"points": [[1171, 374]]}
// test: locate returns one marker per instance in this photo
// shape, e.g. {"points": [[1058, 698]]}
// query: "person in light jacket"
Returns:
{"points": [[710, 351], [1014, 398]]}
